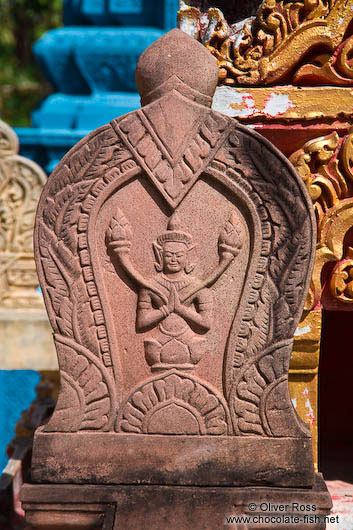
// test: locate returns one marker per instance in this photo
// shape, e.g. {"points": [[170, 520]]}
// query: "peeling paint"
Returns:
{"points": [[188, 26], [238, 32], [204, 21], [226, 100], [294, 401], [277, 104], [214, 26], [310, 415], [302, 331], [268, 103]]}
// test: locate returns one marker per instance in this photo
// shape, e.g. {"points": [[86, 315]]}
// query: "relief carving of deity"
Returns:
{"points": [[175, 303], [181, 320], [175, 311]]}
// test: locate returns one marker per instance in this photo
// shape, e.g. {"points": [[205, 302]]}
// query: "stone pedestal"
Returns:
{"points": [[175, 507], [185, 460]]}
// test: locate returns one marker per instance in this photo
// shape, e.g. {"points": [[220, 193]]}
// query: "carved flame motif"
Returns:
{"points": [[265, 49], [85, 389], [263, 392], [257, 360], [68, 282], [230, 239], [325, 165], [119, 235]]}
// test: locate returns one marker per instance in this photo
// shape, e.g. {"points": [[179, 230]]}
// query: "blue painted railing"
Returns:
{"points": [[90, 63]]}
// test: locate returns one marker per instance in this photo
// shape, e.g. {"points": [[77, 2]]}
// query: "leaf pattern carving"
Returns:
{"points": [[259, 342], [85, 400], [276, 289], [67, 279]]}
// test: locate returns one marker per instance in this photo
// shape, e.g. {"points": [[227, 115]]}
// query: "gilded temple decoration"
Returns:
{"points": [[21, 182], [325, 164], [303, 42]]}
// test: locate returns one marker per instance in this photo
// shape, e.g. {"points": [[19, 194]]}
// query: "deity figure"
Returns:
{"points": [[174, 301], [182, 318]]}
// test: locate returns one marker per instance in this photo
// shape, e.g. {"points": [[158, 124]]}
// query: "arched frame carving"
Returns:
{"points": [[259, 343]]}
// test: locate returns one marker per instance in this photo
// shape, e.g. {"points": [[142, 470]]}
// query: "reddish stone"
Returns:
{"points": [[175, 508], [174, 249]]}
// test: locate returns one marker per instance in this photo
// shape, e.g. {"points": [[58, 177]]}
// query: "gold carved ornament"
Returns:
{"points": [[21, 182], [326, 166], [288, 41]]}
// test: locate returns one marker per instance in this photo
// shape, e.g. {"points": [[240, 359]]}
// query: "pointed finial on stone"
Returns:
{"points": [[175, 233], [177, 61], [174, 222]]}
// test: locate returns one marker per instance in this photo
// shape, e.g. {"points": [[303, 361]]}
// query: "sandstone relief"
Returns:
{"points": [[174, 249]]}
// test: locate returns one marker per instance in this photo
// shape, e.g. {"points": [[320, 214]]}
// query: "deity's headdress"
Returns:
{"points": [[174, 233]]}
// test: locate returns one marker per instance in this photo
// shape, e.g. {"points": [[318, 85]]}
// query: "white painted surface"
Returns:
{"points": [[302, 331], [277, 104], [12, 467], [188, 26], [225, 97]]}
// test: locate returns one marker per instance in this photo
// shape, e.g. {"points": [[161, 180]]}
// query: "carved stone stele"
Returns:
{"points": [[25, 334], [174, 249], [21, 183]]}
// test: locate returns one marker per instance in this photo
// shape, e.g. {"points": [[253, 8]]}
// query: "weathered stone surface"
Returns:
{"points": [[186, 460], [174, 250], [161, 63], [177, 508]]}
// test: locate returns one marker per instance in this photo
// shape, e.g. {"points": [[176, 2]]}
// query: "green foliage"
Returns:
{"points": [[22, 22]]}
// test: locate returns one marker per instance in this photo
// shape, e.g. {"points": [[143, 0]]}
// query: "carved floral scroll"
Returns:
{"points": [[298, 42], [325, 164]]}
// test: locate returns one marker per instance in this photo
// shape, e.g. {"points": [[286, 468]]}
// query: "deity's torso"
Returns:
{"points": [[174, 324], [175, 339]]}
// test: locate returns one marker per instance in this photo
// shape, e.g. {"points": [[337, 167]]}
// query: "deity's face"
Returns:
{"points": [[174, 257]]}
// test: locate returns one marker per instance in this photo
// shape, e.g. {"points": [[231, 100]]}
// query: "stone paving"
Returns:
{"points": [[342, 498]]}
